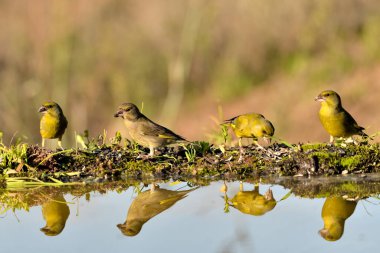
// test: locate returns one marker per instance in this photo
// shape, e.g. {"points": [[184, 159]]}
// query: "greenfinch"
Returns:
{"points": [[335, 212], [144, 131], [55, 213], [147, 205], [53, 122], [252, 202], [335, 119], [250, 125]]}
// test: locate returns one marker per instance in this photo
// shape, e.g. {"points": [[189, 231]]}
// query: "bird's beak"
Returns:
{"points": [[323, 232], [47, 231], [118, 114], [42, 109], [319, 98], [121, 226]]}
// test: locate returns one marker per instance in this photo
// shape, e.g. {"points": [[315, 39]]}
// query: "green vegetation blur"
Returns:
{"points": [[91, 55]]}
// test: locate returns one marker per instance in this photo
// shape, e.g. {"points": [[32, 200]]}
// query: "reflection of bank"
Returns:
{"points": [[148, 204], [252, 202], [55, 212], [335, 211]]}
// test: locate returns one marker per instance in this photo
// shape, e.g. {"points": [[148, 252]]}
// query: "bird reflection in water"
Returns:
{"points": [[251, 202], [148, 204], [335, 212], [55, 212]]}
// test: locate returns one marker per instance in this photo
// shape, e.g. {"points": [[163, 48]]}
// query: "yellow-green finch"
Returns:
{"points": [[144, 131], [55, 213], [252, 202], [53, 123], [335, 212], [334, 118], [148, 204], [250, 125]]}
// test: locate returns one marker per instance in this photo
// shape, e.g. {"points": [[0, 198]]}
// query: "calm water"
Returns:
{"points": [[197, 222]]}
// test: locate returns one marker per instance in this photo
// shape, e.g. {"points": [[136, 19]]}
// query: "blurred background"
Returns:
{"points": [[189, 63]]}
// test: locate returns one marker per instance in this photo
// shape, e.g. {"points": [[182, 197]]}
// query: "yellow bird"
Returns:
{"points": [[53, 123], [252, 202], [147, 205], [335, 212], [335, 119], [250, 125], [144, 131], [55, 213]]}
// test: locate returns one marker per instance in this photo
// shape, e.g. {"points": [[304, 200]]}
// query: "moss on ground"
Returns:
{"points": [[200, 160]]}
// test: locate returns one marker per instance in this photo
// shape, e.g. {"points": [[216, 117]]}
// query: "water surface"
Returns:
{"points": [[178, 218]]}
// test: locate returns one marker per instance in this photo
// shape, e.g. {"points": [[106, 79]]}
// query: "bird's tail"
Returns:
{"points": [[175, 137], [364, 135], [228, 121], [361, 132]]}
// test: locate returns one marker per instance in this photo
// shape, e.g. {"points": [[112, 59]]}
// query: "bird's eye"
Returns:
{"points": [[128, 109], [326, 95]]}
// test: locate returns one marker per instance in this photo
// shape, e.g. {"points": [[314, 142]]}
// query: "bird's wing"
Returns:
{"points": [[149, 128], [351, 121], [268, 128], [64, 122]]}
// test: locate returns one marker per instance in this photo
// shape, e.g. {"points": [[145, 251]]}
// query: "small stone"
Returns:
{"points": [[344, 172]]}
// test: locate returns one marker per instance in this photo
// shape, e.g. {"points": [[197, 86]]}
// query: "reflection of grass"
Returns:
{"points": [[12, 202], [28, 182], [321, 187], [37, 193]]}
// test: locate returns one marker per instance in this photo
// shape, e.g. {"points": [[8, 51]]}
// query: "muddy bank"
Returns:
{"points": [[201, 161]]}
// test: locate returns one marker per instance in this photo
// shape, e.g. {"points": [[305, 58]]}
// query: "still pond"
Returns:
{"points": [[179, 217]]}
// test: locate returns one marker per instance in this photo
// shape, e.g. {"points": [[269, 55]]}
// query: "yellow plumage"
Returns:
{"points": [[252, 202], [53, 122], [335, 212], [334, 118], [55, 213], [250, 125]]}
